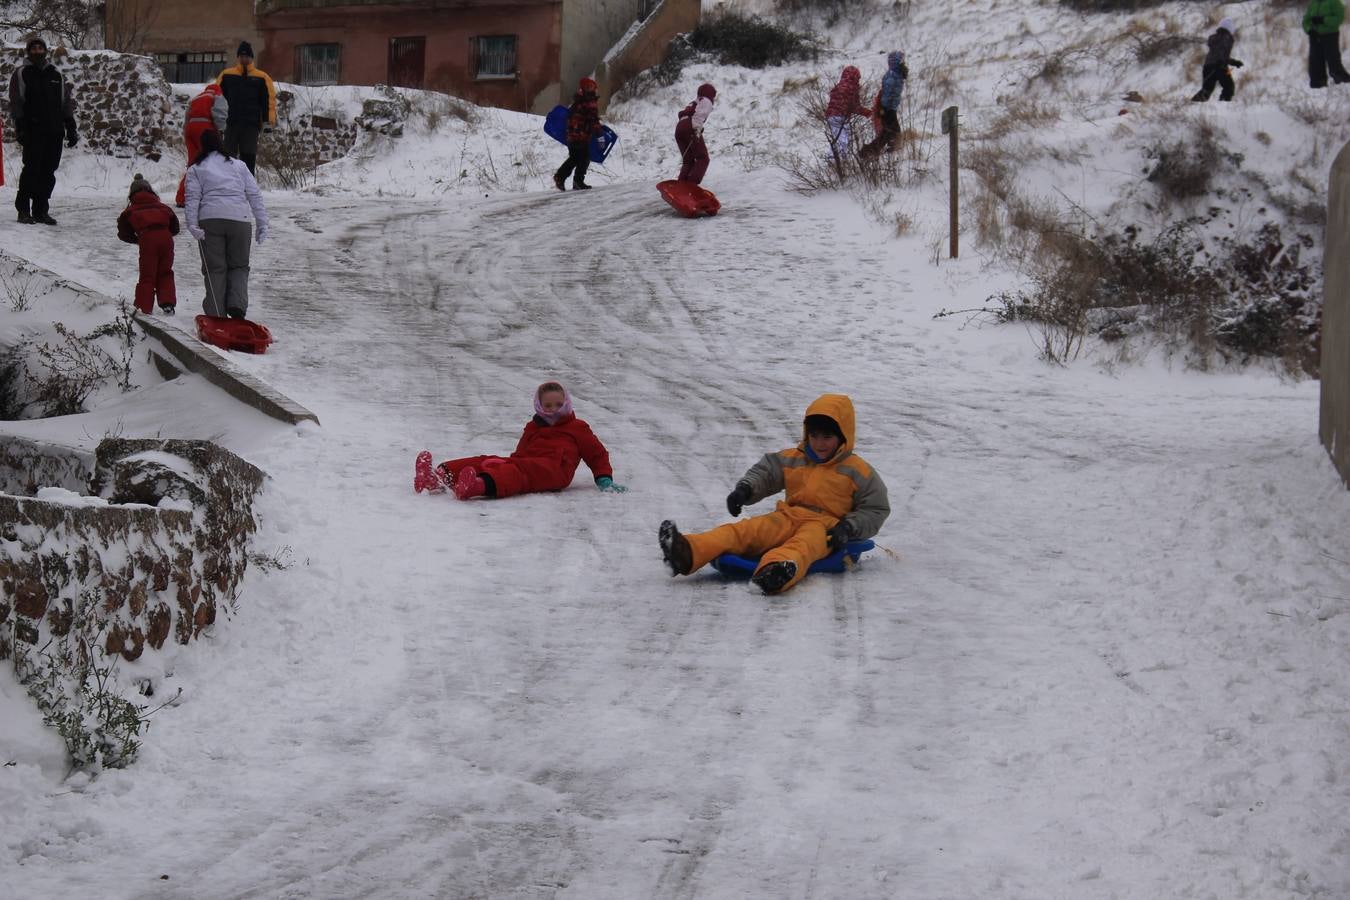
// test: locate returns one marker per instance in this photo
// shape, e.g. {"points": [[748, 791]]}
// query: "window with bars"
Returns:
{"points": [[189, 68], [317, 63], [495, 56]]}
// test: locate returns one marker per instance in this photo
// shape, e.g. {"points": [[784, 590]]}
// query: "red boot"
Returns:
{"points": [[468, 484], [426, 478]]}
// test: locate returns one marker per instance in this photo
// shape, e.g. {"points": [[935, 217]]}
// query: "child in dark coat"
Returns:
{"points": [[150, 225], [555, 441], [1217, 61], [583, 123]]}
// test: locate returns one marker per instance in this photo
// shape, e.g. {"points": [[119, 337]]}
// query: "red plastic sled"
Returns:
{"points": [[234, 334], [689, 199]]}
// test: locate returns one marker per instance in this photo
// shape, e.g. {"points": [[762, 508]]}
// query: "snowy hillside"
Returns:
{"points": [[1099, 655]]}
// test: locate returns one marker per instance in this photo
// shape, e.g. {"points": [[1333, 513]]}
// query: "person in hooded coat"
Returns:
{"points": [[583, 123], [1217, 63], [150, 225], [845, 102], [694, 157], [546, 457], [208, 111], [892, 87], [833, 497]]}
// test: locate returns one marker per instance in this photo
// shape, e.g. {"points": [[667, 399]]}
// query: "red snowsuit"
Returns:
{"points": [[689, 135], [151, 225], [198, 120], [545, 458]]}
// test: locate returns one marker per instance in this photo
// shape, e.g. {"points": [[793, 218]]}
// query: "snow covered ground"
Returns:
{"points": [[1102, 653]]}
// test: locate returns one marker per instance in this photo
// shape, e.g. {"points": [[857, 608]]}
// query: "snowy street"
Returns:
{"points": [[1101, 655]]}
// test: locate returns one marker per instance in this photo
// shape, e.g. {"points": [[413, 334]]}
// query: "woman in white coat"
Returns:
{"points": [[221, 197]]}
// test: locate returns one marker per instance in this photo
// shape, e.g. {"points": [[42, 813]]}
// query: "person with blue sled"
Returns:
{"points": [[583, 123], [833, 497]]}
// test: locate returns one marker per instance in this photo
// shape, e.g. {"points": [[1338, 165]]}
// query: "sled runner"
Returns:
{"points": [[689, 199], [234, 334], [838, 561], [555, 126]]}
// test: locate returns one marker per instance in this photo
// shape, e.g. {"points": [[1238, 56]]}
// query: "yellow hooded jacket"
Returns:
{"points": [[844, 486]]}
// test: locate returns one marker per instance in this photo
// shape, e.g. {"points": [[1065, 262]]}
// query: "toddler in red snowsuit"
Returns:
{"points": [[151, 225], [689, 135], [555, 441]]}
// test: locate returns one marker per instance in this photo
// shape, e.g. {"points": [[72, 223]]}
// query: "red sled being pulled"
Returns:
{"points": [[689, 199], [234, 334]]}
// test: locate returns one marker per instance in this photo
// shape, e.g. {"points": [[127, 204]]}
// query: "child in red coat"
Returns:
{"points": [[150, 225], [545, 459], [583, 123]]}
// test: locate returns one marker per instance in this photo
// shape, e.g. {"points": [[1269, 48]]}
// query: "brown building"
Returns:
{"points": [[515, 54]]}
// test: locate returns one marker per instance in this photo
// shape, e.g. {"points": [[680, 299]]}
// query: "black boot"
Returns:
{"points": [[774, 576], [675, 548], [580, 186]]}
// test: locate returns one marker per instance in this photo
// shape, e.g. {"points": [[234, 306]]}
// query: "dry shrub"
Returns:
{"points": [[1185, 168]]}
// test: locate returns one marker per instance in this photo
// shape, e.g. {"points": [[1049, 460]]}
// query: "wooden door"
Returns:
{"points": [[407, 61]]}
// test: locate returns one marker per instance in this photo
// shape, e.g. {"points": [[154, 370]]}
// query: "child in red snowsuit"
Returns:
{"points": [[583, 123], [689, 135], [151, 225], [845, 102], [545, 459]]}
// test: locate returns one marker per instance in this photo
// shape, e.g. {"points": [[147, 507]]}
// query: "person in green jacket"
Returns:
{"points": [[1322, 22]]}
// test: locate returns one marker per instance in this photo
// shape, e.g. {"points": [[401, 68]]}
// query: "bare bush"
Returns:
{"points": [[75, 367], [1185, 168]]}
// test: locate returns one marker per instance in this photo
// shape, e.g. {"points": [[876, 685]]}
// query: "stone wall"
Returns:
{"points": [[1335, 368], [142, 563], [125, 108], [123, 105]]}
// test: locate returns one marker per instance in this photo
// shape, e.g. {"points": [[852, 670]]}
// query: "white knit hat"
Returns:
{"points": [[1228, 25]]}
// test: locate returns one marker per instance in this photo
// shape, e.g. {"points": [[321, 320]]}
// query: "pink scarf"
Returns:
{"points": [[553, 417]]}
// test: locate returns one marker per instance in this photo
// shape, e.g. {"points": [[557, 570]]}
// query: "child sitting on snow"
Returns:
{"points": [[151, 225], [545, 458], [833, 497]]}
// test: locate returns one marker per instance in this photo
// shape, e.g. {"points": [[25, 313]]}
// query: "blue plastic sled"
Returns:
{"points": [[555, 126], [740, 567]]}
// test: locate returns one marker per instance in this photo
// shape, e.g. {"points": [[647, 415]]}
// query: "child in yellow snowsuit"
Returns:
{"points": [[833, 497]]}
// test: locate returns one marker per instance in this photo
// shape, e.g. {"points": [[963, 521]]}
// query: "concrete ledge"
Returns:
{"points": [[184, 352]]}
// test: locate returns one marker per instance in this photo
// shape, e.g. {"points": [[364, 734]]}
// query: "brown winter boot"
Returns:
{"points": [[675, 549]]}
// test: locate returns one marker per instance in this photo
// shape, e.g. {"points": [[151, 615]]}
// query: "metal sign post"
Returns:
{"points": [[950, 124]]}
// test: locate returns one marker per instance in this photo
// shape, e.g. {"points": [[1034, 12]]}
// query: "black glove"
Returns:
{"points": [[839, 537], [19, 135], [1235, 63], [1317, 20], [736, 499], [72, 137]]}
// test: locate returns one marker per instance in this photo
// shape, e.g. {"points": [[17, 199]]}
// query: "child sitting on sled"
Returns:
{"points": [[833, 497], [150, 225], [545, 458]]}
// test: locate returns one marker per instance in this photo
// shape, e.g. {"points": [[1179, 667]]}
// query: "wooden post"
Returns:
{"points": [[949, 128]]}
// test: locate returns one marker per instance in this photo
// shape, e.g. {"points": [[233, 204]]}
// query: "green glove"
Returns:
{"points": [[606, 484]]}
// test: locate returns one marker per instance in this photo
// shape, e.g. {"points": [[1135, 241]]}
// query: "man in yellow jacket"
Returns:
{"points": [[253, 105], [833, 497]]}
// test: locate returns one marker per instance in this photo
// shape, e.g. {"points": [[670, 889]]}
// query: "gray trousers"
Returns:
{"points": [[225, 266]]}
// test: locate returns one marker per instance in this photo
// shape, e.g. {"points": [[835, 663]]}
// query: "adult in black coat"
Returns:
{"points": [[44, 114]]}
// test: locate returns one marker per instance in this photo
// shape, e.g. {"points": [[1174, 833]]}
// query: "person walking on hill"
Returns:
{"points": [[892, 86], [1322, 22], [252, 99], [44, 112], [1217, 63], [845, 102], [583, 123], [694, 157], [208, 111], [221, 194], [151, 226]]}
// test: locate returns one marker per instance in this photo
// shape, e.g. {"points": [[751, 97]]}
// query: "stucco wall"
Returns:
{"points": [[364, 33], [647, 47], [1335, 418], [589, 29]]}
